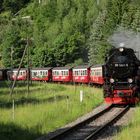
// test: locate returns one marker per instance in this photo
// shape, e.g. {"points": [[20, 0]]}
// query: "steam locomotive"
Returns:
{"points": [[121, 73]]}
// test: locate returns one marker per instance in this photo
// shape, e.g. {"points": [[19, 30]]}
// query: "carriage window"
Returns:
{"points": [[79, 72], [46, 73], [62, 73], [57, 73], [34, 73], [43, 73], [0, 73], [37, 73], [95, 73], [67, 73], [83, 73]]}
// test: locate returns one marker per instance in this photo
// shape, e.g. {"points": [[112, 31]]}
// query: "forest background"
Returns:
{"points": [[62, 32]]}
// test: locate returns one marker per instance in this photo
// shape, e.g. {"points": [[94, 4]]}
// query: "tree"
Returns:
{"points": [[136, 21], [103, 27], [12, 47]]}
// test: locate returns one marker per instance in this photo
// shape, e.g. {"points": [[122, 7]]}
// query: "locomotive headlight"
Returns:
{"points": [[121, 49], [130, 80], [112, 80]]}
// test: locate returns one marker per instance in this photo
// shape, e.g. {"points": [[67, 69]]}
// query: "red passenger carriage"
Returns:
{"points": [[41, 74], [21, 76], [62, 74], [96, 75], [81, 74]]}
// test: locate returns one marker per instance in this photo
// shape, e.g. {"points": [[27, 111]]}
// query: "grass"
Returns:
{"points": [[47, 107], [132, 131]]}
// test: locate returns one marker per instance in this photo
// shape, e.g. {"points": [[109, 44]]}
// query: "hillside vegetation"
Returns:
{"points": [[62, 32]]}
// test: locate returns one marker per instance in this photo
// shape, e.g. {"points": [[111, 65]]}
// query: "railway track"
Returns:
{"points": [[92, 127]]}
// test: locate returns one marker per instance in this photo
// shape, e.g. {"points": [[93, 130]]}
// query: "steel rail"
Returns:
{"points": [[115, 118], [82, 123]]}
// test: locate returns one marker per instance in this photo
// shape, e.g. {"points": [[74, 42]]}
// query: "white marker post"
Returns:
{"points": [[81, 95]]}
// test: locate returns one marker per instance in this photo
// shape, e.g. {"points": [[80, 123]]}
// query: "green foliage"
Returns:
{"points": [[136, 21], [10, 46], [63, 31], [103, 27], [13, 43], [131, 16]]}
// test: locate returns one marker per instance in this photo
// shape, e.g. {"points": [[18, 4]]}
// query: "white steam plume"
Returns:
{"points": [[128, 37]]}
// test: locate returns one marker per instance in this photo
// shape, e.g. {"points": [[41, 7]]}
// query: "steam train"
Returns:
{"points": [[120, 76], [121, 73]]}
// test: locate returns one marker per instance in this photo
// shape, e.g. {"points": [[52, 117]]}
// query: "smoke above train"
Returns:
{"points": [[128, 37]]}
